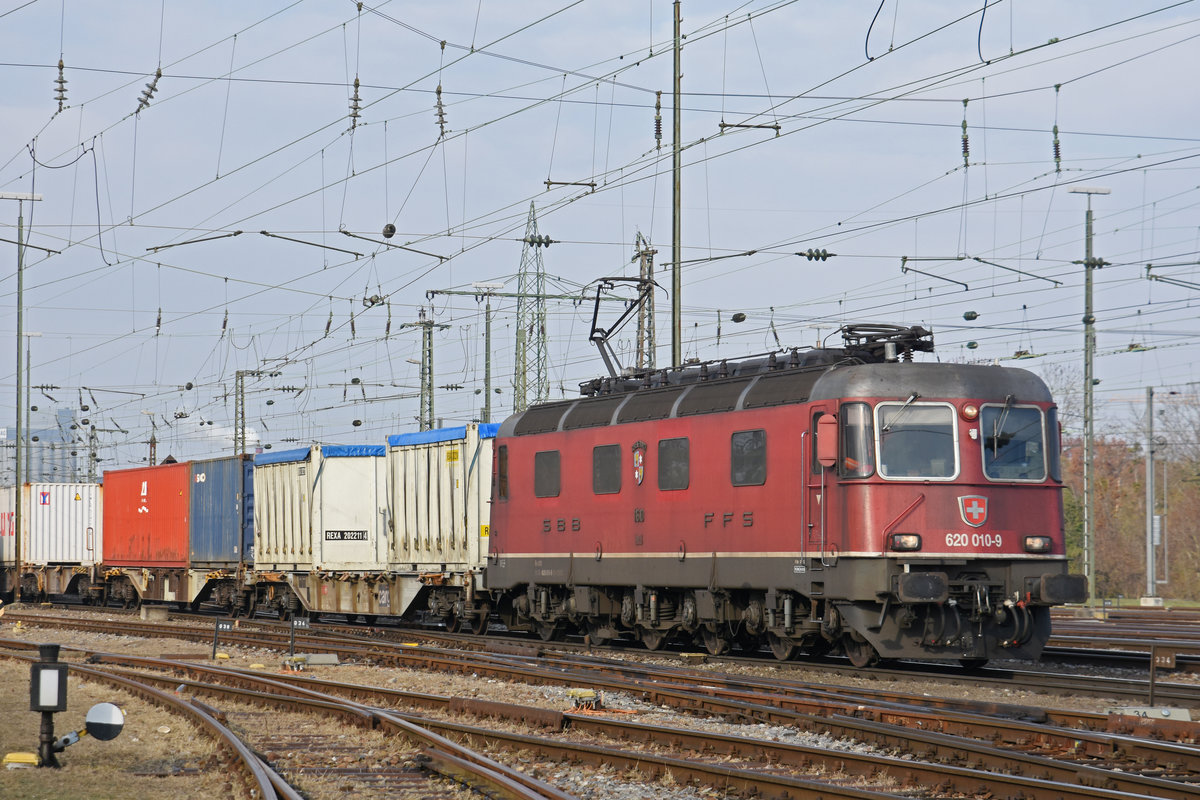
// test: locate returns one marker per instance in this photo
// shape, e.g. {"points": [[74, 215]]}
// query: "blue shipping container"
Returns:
{"points": [[222, 520]]}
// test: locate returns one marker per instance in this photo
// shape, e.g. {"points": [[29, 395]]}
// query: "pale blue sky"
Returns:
{"points": [[867, 164]]}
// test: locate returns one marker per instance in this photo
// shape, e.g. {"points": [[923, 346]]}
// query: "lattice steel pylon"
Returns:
{"points": [[531, 381], [646, 344]]}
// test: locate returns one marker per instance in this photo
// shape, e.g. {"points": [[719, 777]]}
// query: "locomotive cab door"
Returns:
{"points": [[821, 542]]}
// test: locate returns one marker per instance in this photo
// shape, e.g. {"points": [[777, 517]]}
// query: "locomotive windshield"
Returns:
{"points": [[917, 441], [1012, 443]]}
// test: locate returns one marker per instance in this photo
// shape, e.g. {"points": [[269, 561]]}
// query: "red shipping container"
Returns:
{"points": [[147, 511]]}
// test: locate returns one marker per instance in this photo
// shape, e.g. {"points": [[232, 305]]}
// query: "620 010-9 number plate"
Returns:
{"points": [[975, 540]]}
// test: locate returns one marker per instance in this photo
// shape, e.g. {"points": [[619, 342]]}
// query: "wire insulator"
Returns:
{"points": [[440, 111], [149, 91], [1057, 151], [355, 105], [60, 94], [658, 120], [329, 322], [966, 142]]}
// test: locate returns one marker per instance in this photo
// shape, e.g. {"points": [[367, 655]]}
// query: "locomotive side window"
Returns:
{"points": [[673, 464], [917, 441], [1012, 443], [1053, 444], [858, 440], [546, 473], [502, 472], [748, 458], [606, 469]]}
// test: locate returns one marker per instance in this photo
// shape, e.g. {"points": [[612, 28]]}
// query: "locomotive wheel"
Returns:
{"points": [[549, 631], [653, 640], [479, 625], [747, 642], [783, 649], [860, 652], [594, 636], [973, 663], [818, 646], [715, 643]]}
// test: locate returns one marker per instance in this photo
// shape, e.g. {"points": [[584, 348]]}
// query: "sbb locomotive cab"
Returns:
{"points": [[944, 483]]}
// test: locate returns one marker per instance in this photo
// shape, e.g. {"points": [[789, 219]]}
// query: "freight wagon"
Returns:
{"points": [[320, 541], [367, 530], [439, 491], [60, 539], [178, 533]]}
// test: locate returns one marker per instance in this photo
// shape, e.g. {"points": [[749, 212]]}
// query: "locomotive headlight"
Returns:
{"points": [[969, 412], [906, 541], [1037, 544]]}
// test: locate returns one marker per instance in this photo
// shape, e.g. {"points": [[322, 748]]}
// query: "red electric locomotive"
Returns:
{"points": [[842, 499]]}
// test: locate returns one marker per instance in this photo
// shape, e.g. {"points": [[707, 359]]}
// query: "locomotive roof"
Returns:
{"points": [[798, 385], [901, 380], [712, 396]]}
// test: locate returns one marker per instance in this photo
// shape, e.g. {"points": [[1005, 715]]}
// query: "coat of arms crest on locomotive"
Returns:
{"points": [[639, 462]]}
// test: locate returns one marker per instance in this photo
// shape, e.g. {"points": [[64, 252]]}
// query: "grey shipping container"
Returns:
{"points": [[222, 519]]}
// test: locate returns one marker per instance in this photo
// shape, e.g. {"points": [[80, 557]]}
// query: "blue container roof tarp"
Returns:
{"points": [[282, 456], [327, 450], [351, 450], [487, 431]]}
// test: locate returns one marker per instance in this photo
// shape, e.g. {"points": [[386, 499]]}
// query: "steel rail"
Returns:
{"points": [[1039, 775]]}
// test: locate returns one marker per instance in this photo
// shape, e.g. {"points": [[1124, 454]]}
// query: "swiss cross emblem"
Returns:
{"points": [[639, 462], [973, 508]]}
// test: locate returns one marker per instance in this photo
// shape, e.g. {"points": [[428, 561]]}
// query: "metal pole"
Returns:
{"points": [[1089, 354], [28, 417], [676, 210], [487, 361], [21, 403], [19, 476], [1151, 576]]}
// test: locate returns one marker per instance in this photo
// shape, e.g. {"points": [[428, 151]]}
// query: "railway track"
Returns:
{"points": [[1014, 751]]}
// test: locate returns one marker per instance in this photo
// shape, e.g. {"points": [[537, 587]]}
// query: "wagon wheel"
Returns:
{"points": [[453, 623], [479, 624], [653, 640], [859, 651], [715, 643], [783, 649]]}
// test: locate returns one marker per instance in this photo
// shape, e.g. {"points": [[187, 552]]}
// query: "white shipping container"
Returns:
{"points": [[320, 509], [439, 491], [62, 524], [8, 525]]}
